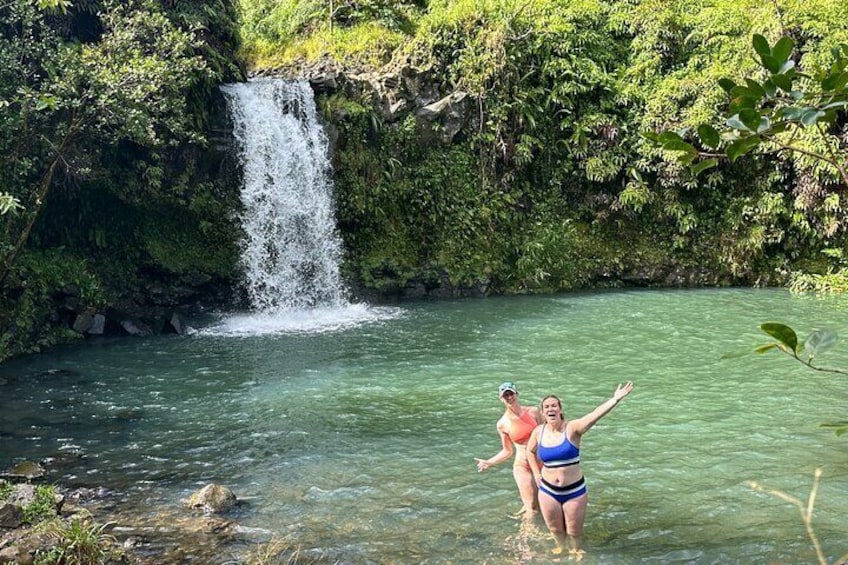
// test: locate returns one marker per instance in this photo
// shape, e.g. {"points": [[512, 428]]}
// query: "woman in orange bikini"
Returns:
{"points": [[514, 428]]}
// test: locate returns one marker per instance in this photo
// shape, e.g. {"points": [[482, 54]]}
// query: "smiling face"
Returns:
{"points": [[509, 397], [552, 409]]}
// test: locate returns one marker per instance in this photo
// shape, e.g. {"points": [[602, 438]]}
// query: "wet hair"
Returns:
{"points": [[559, 402]]}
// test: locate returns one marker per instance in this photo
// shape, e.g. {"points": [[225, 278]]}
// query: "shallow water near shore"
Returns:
{"points": [[356, 441]]}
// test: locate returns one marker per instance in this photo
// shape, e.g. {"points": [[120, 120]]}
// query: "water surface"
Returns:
{"points": [[357, 441]]}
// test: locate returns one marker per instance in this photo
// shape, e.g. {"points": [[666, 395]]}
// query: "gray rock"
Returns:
{"points": [[213, 498], [98, 325], [83, 322], [26, 470], [11, 516]]}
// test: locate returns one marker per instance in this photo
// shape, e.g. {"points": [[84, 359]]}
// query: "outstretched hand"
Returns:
{"points": [[622, 390], [482, 465]]}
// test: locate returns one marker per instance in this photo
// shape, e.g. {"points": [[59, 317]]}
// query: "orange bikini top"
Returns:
{"points": [[520, 430]]}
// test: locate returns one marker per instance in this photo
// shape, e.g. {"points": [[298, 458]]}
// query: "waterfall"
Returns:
{"points": [[291, 252]]}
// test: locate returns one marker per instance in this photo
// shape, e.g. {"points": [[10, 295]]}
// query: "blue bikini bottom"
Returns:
{"points": [[564, 493]]}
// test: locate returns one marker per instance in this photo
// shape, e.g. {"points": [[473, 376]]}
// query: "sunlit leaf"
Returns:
{"points": [[839, 104], [736, 123], [811, 116], [764, 348], [782, 333], [669, 136], [787, 68], [792, 113], [742, 102]]}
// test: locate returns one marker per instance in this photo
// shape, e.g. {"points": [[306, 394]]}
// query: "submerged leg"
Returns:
{"points": [[526, 489], [574, 511], [552, 512]]}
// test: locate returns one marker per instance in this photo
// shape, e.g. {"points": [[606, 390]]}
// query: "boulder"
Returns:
{"points": [[27, 470], [212, 498], [11, 516]]}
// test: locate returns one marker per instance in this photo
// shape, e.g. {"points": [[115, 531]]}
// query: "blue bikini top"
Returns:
{"points": [[561, 455]]}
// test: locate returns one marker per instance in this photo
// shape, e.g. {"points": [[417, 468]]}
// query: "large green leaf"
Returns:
{"points": [[835, 81], [726, 84], [783, 81], [751, 118], [783, 48], [782, 333], [669, 136], [703, 166], [771, 63], [761, 45], [755, 88], [742, 146], [709, 136]]}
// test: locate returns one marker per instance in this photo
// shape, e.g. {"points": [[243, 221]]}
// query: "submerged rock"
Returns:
{"points": [[27, 470], [212, 498]]}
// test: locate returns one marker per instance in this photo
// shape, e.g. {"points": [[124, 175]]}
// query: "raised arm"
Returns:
{"points": [[581, 425], [499, 457]]}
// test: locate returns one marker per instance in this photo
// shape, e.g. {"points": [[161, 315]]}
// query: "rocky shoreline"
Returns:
{"points": [[200, 529]]}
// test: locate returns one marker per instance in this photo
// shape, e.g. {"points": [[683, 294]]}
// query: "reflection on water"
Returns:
{"points": [[358, 443]]}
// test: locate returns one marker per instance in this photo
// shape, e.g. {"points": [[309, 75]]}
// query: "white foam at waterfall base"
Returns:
{"points": [[291, 250], [312, 320]]}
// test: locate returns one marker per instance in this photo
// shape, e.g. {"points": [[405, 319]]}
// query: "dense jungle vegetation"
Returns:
{"points": [[110, 192], [113, 193], [551, 185]]}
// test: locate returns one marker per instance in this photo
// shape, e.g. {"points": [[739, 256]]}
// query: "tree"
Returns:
{"points": [[788, 110], [61, 100]]}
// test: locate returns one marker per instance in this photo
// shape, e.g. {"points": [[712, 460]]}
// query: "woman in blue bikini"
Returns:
{"points": [[554, 456]]}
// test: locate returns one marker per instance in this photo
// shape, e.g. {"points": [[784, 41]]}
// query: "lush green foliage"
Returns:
{"points": [[366, 31], [27, 308], [552, 162], [104, 110], [43, 505]]}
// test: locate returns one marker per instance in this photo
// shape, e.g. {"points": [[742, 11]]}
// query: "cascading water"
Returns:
{"points": [[291, 252]]}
